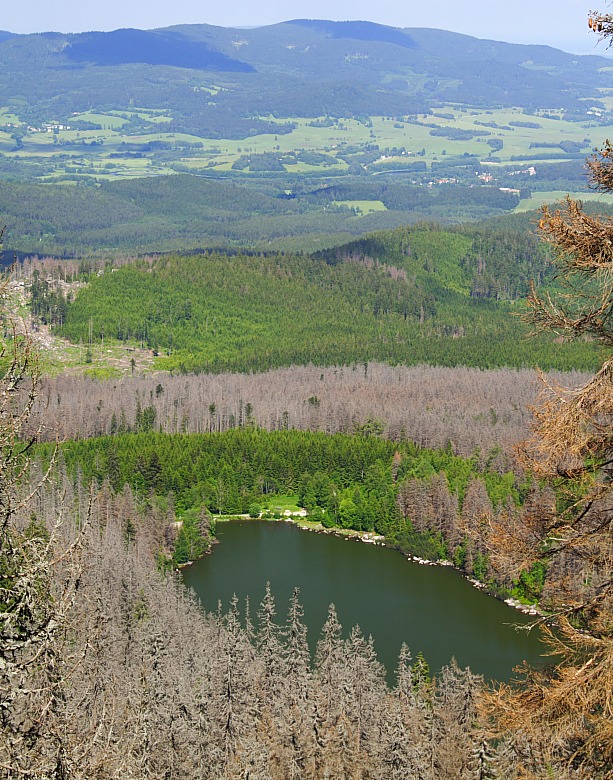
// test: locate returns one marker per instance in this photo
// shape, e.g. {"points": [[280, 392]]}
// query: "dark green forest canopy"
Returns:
{"points": [[251, 463], [422, 295], [355, 482], [185, 212], [177, 213]]}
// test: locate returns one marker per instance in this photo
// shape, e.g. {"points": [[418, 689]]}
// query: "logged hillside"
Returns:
{"points": [[409, 297]]}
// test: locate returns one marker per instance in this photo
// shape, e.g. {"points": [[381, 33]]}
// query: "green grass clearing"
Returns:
{"points": [[108, 121], [362, 206], [541, 197], [282, 502]]}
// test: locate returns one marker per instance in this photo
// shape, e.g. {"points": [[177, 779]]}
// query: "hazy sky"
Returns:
{"points": [[561, 23]]}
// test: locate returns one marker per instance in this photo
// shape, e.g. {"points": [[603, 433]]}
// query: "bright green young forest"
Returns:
{"points": [[422, 295]]}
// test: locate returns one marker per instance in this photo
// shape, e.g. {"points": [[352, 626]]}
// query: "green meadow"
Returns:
{"points": [[362, 206], [134, 142], [540, 198]]}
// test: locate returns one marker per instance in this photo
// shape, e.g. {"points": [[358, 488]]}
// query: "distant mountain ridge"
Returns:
{"points": [[223, 82], [150, 47], [359, 31]]}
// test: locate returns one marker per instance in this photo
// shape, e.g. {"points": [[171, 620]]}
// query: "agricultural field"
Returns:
{"points": [[282, 148], [117, 144], [540, 197]]}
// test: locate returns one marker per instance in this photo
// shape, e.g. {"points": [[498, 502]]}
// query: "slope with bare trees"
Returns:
{"points": [[562, 717], [432, 406]]}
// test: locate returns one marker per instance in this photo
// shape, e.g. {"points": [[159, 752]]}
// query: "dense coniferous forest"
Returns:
{"points": [[191, 212], [179, 213], [421, 295], [430, 504]]}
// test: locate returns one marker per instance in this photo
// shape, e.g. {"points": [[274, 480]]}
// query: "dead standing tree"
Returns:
{"points": [[562, 717], [34, 601]]}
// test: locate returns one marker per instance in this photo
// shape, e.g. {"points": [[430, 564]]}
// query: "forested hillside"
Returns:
{"points": [[179, 213], [188, 212], [422, 296], [298, 67]]}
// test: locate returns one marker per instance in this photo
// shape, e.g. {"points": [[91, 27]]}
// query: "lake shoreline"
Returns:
{"points": [[299, 519], [431, 610], [370, 538]]}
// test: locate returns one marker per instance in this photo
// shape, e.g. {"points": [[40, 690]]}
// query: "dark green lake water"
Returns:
{"points": [[433, 609]]}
